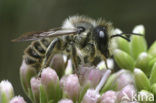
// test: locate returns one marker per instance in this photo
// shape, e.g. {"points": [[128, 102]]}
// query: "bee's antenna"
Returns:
{"points": [[119, 35], [125, 36]]}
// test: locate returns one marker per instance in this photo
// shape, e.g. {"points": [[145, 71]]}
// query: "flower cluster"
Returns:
{"points": [[134, 83], [141, 61], [83, 88]]}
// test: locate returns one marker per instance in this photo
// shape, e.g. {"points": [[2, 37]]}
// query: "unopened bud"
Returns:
{"points": [[124, 79], [71, 86], [17, 99], [90, 75], [58, 64], [141, 80], [138, 43], [119, 80], [127, 94], [145, 97], [153, 88], [152, 49], [91, 96], [139, 29], [108, 97], [151, 63], [50, 82], [142, 62], [121, 43], [65, 101], [35, 87], [6, 91], [49, 75], [153, 75], [26, 73], [114, 44], [124, 60]]}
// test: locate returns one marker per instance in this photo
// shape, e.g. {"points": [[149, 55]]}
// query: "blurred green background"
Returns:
{"points": [[20, 16]]}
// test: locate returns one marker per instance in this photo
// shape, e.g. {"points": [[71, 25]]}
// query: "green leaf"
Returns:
{"points": [[43, 96], [124, 60], [141, 80], [143, 61], [152, 49], [153, 75]]}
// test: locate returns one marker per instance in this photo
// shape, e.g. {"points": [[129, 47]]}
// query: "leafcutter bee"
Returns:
{"points": [[84, 40]]}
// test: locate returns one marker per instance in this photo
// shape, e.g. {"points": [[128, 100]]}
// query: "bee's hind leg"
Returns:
{"points": [[54, 47]]}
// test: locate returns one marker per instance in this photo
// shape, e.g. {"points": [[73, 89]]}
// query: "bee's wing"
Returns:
{"points": [[40, 35]]}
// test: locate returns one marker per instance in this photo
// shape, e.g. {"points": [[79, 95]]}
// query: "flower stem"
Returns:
{"points": [[103, 80]]}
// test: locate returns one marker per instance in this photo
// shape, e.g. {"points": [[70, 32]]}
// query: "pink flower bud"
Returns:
{"points": [[124, 79], [71, 86], [90, 75], [35, 86], [26, 73], [108, 97], [65, 101], [50, 82], [17, 99], [58, 64], [119, 80], [49, 75], [91, 96], [6, 91], [127, 94]]}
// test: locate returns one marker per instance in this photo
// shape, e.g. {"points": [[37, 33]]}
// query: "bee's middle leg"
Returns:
{"points": [[54, 47], [74, 59]]}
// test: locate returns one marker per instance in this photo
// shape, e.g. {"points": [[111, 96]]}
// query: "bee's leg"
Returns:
{"points": [[105, 60], [74, 58], [66, 63], [54, 47], [89, 50]]}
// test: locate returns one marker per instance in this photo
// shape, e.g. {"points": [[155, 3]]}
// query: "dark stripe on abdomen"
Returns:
{"points": [[45, 42], [33, 53], [38, 47]]}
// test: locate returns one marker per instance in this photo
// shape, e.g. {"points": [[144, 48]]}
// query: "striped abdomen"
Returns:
{"points": [[35, 52]]}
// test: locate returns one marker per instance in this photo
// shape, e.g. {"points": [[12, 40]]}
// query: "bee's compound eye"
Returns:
{"points": [[81, 29]]}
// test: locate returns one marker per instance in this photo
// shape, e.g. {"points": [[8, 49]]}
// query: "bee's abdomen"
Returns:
{"points": [[35, 52]]}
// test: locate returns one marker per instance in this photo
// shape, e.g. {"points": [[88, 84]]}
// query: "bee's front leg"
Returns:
{"points": [[55, 47], [105, 60], [90, 52]]}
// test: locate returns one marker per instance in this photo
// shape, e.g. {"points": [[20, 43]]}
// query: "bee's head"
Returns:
{"points": [[101, 36], [83, 34]]}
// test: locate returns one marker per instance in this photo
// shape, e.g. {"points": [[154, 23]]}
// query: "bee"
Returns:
{"points": [[83, 39]]}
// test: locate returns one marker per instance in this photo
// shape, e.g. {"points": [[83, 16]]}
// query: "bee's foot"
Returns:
{"points": [[39, 73]]}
